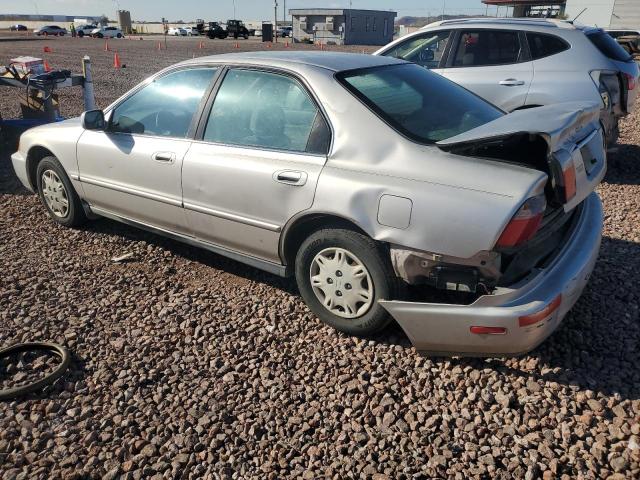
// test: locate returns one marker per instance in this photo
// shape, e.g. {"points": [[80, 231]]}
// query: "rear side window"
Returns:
{"points": [[266, 110], [542, 45], [608, 46], [487, 47]]}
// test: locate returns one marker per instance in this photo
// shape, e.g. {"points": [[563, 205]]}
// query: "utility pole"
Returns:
{"points": [[275, 20], [284, 11]]}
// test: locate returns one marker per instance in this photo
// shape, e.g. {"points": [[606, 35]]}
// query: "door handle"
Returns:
{"points": [[165, 157], [511, 82], [290, 177]]}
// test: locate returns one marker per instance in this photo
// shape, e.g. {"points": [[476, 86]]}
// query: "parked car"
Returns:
{"points": [[235, 29], [177, 31], [107, 32], [360, 175], [524, 63], [285, 32], [85, 30], [50, 30], [215, 30], [18, 28], [193, 31]]}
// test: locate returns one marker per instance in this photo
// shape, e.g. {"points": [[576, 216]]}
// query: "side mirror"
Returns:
{"points": [[427, 55], [93, 120]]}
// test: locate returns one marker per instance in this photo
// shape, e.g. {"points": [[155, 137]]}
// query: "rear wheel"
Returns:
{"points": [[119, 35], [80, 34], [341, 274], [57, 193]]}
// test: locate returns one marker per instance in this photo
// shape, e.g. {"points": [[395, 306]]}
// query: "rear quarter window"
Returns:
{"points": [[608, 46], [542, 45]]}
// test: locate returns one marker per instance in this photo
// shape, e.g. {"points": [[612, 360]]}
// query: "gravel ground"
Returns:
{"points": [[190, 365]]}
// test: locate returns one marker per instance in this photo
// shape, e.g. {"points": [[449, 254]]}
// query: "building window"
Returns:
{"points": [[366, 24], [386, 27], [353, 24], [375, 24]]}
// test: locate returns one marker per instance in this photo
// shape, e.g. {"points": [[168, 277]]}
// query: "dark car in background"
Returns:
{"points": [[18, 28]]}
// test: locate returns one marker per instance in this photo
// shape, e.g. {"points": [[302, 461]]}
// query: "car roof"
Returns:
{"points": [[334, 61], [522, 22]]}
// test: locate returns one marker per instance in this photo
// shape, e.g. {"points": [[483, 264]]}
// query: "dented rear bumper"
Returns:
{"points": [[543, 299]]}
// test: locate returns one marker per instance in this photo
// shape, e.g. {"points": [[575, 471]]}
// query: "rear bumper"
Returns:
{"points": [[441, 329]]}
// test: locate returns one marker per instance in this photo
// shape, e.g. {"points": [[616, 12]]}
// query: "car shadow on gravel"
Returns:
{"points": [[624, 165]]}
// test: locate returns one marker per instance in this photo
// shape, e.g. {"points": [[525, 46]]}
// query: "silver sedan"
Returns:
{"points": [[387, 190]]}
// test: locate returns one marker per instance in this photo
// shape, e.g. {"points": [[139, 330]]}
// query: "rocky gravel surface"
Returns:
{"points": [[188, 365]]}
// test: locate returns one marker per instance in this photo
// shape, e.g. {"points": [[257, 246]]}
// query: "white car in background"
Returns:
{"points": [[177, 31], [522, 63], [107, 32], [193, 31], [85, 30]]}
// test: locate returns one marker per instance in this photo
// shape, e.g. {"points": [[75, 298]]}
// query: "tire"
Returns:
{"points": [[80, 34], [52, 197], [119, 35], [99, 35], [246, 37], [378, 281]]}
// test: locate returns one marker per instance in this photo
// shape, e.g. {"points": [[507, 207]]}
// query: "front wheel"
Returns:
{"points": [[57, 193], [119, 35], [341, 274]]}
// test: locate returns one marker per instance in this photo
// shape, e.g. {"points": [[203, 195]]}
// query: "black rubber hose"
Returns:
{"points": [[60, 351]]}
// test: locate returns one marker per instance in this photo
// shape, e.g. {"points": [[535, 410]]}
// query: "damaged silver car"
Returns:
{"points": [[387, 190]]}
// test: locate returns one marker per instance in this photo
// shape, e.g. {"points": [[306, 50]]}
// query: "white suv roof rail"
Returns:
{"points": [[537, 22]]}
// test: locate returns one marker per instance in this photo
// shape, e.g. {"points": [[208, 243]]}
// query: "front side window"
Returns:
{"points": [[425, 50], [419, 104], [487, 47], [542, 45], [266, 110], [165, 107]]}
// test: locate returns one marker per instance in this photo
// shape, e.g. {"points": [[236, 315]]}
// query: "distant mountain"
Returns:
{"points": [[422, 21]]}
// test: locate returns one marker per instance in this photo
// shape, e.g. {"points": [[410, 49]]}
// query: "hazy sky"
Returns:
{"points": [[223, 9]]}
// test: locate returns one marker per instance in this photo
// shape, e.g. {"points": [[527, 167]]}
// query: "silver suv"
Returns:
{"points": [[523, 63]]}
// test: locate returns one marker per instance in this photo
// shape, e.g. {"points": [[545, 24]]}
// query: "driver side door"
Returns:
{"points": [[133, 169]]}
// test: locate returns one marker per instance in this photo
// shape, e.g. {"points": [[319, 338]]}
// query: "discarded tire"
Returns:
{"points": [[60, 351]]}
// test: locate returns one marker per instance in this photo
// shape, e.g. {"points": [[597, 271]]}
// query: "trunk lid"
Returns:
{"points": [[552, 138]]}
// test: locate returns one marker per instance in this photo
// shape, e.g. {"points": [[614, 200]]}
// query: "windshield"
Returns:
{"points": [[417, 103]]}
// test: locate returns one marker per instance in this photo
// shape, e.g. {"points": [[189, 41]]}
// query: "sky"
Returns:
{"points": [[189, 10]]}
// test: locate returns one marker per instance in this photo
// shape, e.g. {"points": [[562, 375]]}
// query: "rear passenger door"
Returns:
{"points": [[255, 162], [494, 64]]}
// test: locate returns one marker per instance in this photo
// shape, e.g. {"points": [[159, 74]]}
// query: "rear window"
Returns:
{"points": [[542, 45], [608, 46], [419, 104]]}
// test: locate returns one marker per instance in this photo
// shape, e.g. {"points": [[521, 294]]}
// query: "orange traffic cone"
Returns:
{"points": [[201, 45], [286, 44], [159, 46], [47, 67], [116, 61], [47, 49], [106, 46], [236, 45], [269, 44]]}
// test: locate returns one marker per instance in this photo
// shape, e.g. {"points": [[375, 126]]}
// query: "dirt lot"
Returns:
{"points": [[189, 365]]}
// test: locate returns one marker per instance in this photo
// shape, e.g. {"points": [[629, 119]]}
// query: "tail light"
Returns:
{"points": [[631, 81], [524, 224], [569, 179]]}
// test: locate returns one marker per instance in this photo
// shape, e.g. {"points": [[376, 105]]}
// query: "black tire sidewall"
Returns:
{"points": [[370, 255], [75, 215]]}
